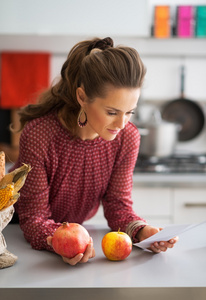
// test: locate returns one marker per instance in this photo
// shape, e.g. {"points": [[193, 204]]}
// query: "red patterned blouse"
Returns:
{"points": [[71, 177]]}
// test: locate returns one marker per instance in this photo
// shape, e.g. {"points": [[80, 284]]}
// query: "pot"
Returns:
{"points": [[186, 112], [158, 137]]}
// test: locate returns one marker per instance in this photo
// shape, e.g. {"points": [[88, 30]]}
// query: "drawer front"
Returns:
{"points": [[156, 202], [189, 205]]}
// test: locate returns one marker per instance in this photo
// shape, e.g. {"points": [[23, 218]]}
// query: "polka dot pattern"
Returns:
{"points": [[70, 177]]}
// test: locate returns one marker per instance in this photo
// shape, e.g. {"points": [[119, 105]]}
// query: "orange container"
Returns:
{"points": [[162, 28]]}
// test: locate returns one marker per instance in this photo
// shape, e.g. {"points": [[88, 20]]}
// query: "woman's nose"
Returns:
{"points": [[121, 122]]}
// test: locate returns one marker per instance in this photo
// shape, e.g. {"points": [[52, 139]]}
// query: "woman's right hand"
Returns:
{"points": [[79, 258], [156, 247]]}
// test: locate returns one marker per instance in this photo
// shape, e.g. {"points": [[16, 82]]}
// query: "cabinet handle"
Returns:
{"points": [[195, 204]]}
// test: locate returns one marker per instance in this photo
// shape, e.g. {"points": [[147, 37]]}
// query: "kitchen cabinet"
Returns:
{"points": [[154, 204], [189, 205], [161, 206], [170, 198]]}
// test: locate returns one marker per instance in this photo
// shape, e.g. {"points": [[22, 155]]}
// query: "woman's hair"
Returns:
{"points": [[95, 64]]}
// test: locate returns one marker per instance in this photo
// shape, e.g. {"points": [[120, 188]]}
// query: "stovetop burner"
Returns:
{"points": [[179, 163]]}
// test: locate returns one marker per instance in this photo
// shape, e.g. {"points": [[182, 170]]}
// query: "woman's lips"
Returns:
{"points": [[113, 131]]}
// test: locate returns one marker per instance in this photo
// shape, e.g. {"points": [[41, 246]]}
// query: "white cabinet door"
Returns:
{"points": [[153, 204], [189, 205]]}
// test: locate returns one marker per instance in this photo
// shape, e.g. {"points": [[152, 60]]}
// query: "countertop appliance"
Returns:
{"points": [[177, 163]]}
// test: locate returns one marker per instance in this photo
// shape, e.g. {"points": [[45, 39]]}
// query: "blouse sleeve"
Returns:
{"points": [[117, 202], [33, 206]]}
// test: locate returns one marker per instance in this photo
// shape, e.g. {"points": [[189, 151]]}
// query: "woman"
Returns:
{"points": [[82, 147]]}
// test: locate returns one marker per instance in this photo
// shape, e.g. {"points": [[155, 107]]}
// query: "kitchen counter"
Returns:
{"points": [[180, 271], [176, 180]]}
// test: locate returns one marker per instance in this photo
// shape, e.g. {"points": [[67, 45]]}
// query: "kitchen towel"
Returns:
{"points": [[23, 76]]}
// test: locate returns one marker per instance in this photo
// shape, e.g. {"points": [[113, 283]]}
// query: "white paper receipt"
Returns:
{"points": [[166, 234]]}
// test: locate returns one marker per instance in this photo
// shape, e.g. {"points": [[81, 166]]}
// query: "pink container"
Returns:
{"points": [[185, 21]]}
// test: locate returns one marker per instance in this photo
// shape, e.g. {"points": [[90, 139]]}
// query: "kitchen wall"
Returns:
{"points": [[69, 17], [163, 76], [53, 26], [163, 80]]}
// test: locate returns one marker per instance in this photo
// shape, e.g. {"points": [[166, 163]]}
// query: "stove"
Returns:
{"points": [[178, 163]]}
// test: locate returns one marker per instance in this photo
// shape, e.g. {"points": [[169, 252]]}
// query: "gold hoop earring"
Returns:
{"points": [[82, 124]]}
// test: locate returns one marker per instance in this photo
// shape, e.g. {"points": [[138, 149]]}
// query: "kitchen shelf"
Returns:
{"points": [[173, 47], [60, 44]]}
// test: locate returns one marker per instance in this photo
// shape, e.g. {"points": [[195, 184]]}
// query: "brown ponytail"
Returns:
{"points": [[119, 67]]}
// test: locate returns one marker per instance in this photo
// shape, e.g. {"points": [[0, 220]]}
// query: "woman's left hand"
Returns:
{"points": [[79, 258], [156, 247]]}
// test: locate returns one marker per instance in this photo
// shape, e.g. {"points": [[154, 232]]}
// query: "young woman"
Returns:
{"points": [[82, 147]]}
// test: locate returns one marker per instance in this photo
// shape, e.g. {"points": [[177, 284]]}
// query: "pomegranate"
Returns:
{"points": [[70, 239]]}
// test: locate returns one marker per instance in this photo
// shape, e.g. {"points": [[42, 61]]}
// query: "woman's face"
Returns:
{"points": [[107, 116]]}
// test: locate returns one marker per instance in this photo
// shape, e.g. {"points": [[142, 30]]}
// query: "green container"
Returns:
{"points": [[201, 21]]}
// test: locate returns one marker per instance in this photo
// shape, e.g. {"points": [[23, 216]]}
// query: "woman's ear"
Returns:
{"points": [[81, 96]]}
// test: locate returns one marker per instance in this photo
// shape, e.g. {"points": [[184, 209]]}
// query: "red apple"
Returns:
{"points": [[70, 239], [116, 245]]}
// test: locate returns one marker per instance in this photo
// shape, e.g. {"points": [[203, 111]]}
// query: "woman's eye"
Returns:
{"points": [[131, 113], [110, 113]]}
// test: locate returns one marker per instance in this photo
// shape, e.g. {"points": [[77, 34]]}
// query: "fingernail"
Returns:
{"points": [[162, 243], [172, 241]]}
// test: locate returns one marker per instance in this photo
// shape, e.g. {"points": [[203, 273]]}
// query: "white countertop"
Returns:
{"points": [[193, 180], [182, 266], [177, 274]]}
